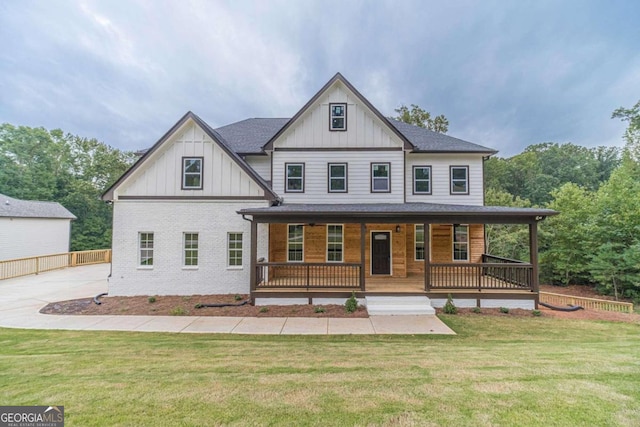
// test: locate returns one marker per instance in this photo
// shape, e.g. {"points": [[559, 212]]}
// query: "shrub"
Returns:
{"points": [[536, 313], [178, 311], [151, 300], [504, 310], [449, 306], [264, 309], [237, 297], [351, 304], [319, 309], [477, 310]]}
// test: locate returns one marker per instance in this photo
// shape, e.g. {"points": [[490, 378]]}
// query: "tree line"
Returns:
{"points": [[596, 238], [38, 164]]}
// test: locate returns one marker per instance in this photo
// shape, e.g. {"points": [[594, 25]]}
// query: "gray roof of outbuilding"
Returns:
{"points": [[250, 135], [16, 208]]}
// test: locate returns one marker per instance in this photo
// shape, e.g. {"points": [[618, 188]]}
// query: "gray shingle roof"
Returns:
{"points": [[250, 135], [16, 208], [429, 141]]}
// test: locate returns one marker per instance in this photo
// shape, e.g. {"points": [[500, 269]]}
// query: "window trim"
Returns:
{"points": [[288, 243], [341, 243], [140, 249], [415, 191], [346, 178], [388, 164], [286, 177], [331, 128], [184, 173], [241, 250], [185, 249], [458, 193], [415, 242], [453, 243]]}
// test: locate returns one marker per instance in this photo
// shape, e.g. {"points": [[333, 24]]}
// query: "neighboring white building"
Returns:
{"points": [[335, 199], [31, 228]]}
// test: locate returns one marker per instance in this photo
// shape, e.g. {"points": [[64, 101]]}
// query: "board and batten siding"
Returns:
{"points": [[316, 188], [161, 174], [260, 164], [364, 128], [28, 237], [440, 178]]}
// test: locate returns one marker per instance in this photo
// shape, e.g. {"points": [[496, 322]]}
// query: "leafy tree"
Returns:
{"points": [[566, 237], [419, 117], [506, 240]]}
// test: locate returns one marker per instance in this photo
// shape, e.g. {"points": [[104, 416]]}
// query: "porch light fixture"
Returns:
{"points": [[397, 229]]}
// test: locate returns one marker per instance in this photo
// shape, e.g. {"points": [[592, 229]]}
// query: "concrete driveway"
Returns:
{"points": [[22, 298]]}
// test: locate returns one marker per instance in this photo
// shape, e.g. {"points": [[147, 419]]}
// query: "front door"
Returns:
{"points": [[381, 252]]}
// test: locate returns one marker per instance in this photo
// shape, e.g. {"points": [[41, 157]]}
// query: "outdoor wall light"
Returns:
{"points": [[398, 228]]}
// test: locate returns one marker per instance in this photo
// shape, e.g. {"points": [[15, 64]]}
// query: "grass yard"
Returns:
{"points": [[499, 371]]}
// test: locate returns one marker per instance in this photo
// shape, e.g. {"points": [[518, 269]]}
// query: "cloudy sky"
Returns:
{"points": [[506, 74]]}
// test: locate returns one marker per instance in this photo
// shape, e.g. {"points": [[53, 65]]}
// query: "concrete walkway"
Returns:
{"points": [[22, 298]]}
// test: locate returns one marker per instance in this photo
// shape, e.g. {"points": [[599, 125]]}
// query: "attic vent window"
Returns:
{"points": [[337, 116], [192, 173]]}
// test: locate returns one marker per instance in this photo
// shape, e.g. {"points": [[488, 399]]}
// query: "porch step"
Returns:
{"points": [[398, 305]]}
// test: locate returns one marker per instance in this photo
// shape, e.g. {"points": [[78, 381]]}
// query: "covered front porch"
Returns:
{"points": [[441, 261]]}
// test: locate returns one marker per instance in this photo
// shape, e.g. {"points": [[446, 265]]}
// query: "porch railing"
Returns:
{"points": [[487, 275], [307, 275], [38, 264]]}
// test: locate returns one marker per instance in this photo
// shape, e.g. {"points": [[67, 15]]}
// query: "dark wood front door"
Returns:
{"points": [[381, 252]]}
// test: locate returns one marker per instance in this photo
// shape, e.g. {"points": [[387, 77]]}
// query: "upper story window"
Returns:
{"points": [[294, 180], [459, 179], [192, 173], [145, 249], [460, 242], [422, 180], [295, 243], [337, 116], [380, 177], [337, 177]]}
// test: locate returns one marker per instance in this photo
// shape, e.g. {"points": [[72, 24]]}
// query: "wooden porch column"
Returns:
{"points": [[363, 231], [533, 257], [427, 257], [254, 255]]}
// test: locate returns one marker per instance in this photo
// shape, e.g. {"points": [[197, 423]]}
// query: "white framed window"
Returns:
{"points": [[459, 179], [192, 173], [422, 180], [419, 244], [294, 177], [295, 243], [234, 250], [380, 177], [338, 116], [460, 242], [337, 177], [335, 242], [145, 249], [190, 243]]}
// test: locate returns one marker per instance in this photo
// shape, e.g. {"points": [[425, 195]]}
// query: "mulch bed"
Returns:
{"points": [[185, 306]]}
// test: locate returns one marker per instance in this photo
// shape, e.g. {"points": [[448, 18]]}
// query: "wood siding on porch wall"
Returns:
{"points": [[402, 245]]}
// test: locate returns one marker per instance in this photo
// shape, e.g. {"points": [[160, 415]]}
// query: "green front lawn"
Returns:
{"points": [[505, 371]]}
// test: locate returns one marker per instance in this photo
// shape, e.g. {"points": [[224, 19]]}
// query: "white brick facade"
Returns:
{"points": [[168, 220]]}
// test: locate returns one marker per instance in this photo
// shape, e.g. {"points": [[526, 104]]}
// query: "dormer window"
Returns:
{"points": [[192, 173], [337, 116]]}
